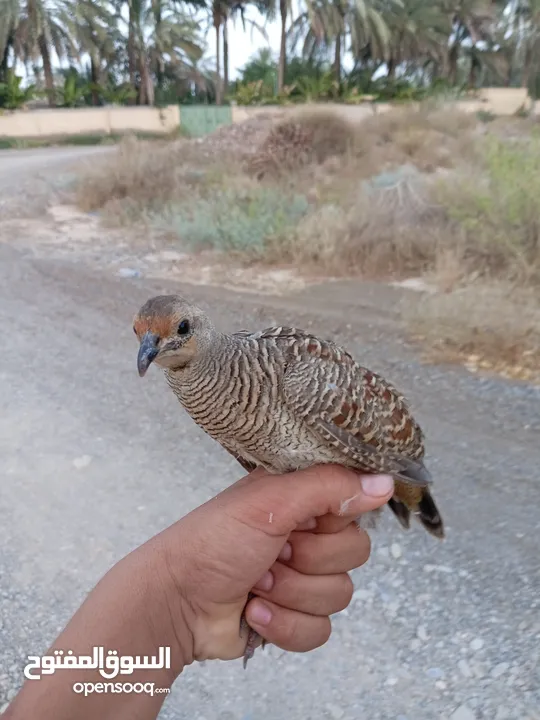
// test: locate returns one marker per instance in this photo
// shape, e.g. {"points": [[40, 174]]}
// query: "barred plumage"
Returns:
{"points": [[284, 399]]}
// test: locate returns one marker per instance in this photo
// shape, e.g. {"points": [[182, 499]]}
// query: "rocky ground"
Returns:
{"points": [[447, 631]]}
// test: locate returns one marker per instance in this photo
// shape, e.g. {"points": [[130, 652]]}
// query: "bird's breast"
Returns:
{"points": [[245, 412]]}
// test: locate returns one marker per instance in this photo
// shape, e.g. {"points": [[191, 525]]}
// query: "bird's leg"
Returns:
{"points": [[252, 636]]}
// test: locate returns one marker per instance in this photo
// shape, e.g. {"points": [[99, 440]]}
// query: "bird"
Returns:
{"points": [[284, 399]]}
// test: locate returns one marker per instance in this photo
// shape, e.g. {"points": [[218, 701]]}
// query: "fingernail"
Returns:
{"points": [[260, 614], [377, 485], [286, 552], [266, 582]]}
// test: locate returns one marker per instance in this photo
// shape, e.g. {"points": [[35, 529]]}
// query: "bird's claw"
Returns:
{"points": [[253, 637]]}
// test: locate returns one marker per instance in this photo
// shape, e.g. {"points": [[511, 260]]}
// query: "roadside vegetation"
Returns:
{"points": [[153, 52], [423, 191]]}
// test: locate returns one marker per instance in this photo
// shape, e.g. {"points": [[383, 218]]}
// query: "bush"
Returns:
{"points": [[233, 220], [496, 209], [143, 173], [12, 96], [386, 231]]}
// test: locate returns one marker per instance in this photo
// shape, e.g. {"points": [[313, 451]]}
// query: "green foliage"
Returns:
{"points": [[253, 93], [486, 116], [233, 220], [12, 95], [399, 89], [499, 212], [117, 95], [74, 90], [315, 88], [261, 68], [305, 80]]}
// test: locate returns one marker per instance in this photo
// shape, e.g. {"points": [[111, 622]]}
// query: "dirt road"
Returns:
{"points": [[95, 461]]}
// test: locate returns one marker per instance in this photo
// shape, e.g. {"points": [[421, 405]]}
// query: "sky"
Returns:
{"points": [[245, 43]]}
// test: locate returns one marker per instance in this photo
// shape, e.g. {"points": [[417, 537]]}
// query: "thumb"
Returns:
{"points": [[277, 504]]}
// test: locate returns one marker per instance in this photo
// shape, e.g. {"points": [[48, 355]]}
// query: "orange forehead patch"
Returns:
{"points": [[160, 325]]}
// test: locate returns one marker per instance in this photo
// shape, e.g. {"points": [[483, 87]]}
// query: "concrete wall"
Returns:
{"points": [[351, 112], [78, 121], [500, 101], [51, 123]]}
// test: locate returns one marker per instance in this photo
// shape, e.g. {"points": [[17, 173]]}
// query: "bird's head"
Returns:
{"points": [[171, 332]]}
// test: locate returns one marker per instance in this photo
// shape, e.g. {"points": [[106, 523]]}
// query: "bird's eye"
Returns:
{"points": [[183, 328]]}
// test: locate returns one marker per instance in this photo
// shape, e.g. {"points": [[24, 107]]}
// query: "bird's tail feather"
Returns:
{"points": [[423, 507], [429, 515], [401, 511]]}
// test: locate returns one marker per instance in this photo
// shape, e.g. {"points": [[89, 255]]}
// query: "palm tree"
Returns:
{"points": [[232, 10], [92, 26], [524, 26], [39, 33], [284, 10], [219, 12], [156, 30], [368, 28], [419, 32], [284, 7], [9, 18], [332, 23], [472, 20]]}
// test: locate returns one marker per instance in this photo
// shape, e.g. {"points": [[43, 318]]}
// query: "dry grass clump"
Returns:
{"points": [[136, 171], [447, 120], [487, 326], [391, 230], [140, 178], [324, 148], [306, 138], [428, 137]]}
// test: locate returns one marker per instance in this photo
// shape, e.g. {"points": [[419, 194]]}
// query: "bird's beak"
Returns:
{"points": [[148, 351]]}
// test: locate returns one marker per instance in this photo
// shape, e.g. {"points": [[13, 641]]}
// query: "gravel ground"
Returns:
{"points": [[435, 630]]}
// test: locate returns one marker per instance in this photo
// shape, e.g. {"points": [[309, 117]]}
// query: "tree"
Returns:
{"points": [[336, 23], [157, 32], [523, 28], [92, 26], [221, 12], [39, 33], [472, 21], [419, 32], [285, 10], [9, 18]]}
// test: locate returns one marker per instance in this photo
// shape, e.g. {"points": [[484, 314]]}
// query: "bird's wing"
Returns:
{"points": [[353, 409], [246, 464]]}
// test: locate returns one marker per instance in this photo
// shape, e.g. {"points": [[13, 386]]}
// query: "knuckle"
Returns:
{"points": [[302, 557]]}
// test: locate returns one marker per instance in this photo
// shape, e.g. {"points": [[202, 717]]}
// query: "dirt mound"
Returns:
{"points": [[239, 139]]}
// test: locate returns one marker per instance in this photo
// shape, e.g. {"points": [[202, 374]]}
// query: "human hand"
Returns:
{"points": [[290, 539]]}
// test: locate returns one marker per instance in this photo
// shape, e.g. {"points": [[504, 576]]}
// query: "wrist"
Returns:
{"points": [[170, 616]]}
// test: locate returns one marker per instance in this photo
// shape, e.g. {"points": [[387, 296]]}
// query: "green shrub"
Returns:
{"points": [[498, 209], [234, 220], [12, 95]]}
